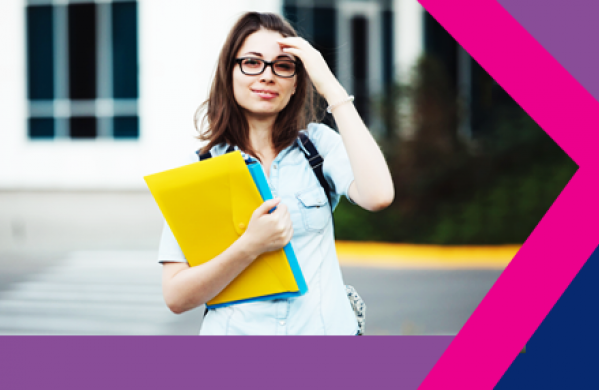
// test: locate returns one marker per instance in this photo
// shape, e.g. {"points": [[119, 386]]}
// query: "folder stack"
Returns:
{"points": [[208, 205]]}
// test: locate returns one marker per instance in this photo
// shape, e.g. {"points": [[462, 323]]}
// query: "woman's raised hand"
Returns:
{"points": [[268, 232], [323, 79]]}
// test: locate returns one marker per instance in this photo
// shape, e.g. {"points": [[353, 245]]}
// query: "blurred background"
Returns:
{"points": [[96, 94]]}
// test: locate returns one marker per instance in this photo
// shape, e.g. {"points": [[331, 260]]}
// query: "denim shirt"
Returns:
{"points": [[325, 308]]}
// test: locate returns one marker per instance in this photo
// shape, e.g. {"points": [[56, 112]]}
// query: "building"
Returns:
{"points": [[96, 94]]}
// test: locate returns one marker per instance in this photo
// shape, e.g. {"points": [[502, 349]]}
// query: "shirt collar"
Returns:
{"points": [[222, 148]]}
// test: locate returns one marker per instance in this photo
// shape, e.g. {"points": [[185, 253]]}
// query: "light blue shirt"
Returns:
{"points": [[325, 308]]}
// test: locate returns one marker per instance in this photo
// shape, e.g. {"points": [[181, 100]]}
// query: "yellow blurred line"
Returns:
{"points": [[388, 255]]}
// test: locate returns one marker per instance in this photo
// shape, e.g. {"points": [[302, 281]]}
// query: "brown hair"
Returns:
{"points": [[224, 117]]}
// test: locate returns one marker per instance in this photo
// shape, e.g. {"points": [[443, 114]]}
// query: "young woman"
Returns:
{"points": [[257, 103]]}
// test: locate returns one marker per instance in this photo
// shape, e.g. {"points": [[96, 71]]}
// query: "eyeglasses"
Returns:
{"points": [[254, 66]]}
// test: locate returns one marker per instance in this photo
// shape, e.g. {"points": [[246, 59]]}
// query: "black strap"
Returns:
{"points": [[207, 155], [316, 162]]}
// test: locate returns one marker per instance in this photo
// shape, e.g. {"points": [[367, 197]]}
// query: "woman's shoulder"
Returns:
{"points": [[323, 136]]}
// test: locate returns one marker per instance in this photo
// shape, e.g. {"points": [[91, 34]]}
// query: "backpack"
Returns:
{"points": [[316, 162]]}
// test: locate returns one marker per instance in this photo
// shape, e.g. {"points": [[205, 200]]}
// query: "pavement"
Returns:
{"points": [[85, 263]]}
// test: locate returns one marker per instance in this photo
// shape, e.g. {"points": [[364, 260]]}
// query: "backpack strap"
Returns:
{"points": [[207, 155], [316, 161]]}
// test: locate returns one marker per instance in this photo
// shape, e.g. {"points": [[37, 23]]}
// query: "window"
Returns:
{"points": [[82, 70]]}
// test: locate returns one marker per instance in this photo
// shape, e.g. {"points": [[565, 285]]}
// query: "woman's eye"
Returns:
{"points": [[251, 63], [283, 66]]}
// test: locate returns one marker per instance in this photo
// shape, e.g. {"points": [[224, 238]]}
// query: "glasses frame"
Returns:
{"points": [[265, 64]]}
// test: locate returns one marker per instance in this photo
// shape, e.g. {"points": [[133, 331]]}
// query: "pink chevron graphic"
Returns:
{"points": [[565, 238]]}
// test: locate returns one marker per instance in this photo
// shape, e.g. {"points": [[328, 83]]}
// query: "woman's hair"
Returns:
{"points": [[225, 120]]}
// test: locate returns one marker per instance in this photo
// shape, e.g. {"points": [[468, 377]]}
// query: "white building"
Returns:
{"points": [[96, 94]]}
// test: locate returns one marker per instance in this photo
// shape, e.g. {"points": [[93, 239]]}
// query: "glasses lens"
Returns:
{"points": [[251, 66], [284, 68]]}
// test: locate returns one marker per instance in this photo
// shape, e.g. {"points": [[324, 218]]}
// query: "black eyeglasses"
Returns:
{"points": [[254, 66]]}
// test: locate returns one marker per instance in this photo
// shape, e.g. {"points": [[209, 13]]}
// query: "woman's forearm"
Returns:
{"points": [[193, 286], [373, 186], [185, 287]]}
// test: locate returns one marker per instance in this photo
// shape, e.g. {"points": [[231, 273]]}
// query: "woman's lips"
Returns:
{"points": [[266, 94]]}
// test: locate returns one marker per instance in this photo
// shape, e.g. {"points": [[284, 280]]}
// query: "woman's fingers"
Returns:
{"points": [[265, 207], [292, 41], [295, 52], [294, 45]]}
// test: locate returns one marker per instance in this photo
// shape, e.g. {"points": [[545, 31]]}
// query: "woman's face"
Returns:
{"points": [[266, 94]]}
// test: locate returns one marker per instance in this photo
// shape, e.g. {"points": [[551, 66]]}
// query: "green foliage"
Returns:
{"points": [[492, 188]]}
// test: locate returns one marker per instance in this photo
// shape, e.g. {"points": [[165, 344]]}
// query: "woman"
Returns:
{"points": [[257, 104]]}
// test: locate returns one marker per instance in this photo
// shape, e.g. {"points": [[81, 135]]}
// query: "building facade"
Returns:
{"points": [[97, 94]]}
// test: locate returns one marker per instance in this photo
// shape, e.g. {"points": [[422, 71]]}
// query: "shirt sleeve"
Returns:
{"points": [[169, 249], [336, 168]]}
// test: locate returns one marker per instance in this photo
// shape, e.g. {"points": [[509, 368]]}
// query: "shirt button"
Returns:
{"points": [[275, 167], [282, 323], [242, 226]]}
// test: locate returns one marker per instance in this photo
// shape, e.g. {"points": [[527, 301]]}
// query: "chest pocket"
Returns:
{"points": [[315, 209]]}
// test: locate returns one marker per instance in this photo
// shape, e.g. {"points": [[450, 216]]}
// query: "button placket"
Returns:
{"points": [[282, 310], [274, 177]]}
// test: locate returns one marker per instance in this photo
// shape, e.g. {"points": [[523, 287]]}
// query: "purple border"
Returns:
{"points": [[171, 362], [567, 30]]}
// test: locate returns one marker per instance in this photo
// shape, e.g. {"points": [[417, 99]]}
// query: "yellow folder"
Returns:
{"points": [[208, 205]]}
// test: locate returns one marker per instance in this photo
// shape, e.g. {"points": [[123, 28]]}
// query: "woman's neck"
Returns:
{"points": [[260, 136]]}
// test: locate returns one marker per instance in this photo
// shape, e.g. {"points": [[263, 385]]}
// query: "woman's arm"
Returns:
{"points": [[185, 288], [372, 188]]}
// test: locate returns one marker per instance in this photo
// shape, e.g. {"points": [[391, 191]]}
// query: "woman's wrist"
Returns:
{"points": [[249, 250], [335, 93]]}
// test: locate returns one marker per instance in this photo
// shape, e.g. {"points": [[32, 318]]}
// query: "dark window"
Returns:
{"points": [[388, 47], [41, 128], [82, 51], [124, 46], [290, 13], [359, 33], [40, 52], [325, 34], [83, 127], [126, 127], [439, 44]]}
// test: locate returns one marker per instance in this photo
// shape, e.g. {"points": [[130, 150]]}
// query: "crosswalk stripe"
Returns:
{"points": [[77, 325], [86, 296], [148, 289], [95, 293]]}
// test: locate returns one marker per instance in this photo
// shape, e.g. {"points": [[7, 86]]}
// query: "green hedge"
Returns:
{"points": [[493, 188]]}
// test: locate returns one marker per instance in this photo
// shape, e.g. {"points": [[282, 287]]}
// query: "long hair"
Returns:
{"points": [[221, 116]]}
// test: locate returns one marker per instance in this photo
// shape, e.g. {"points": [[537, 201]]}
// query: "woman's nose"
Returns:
{"points": [[267, 75]]}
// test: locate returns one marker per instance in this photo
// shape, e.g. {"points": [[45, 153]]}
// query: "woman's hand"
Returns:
{"points": [[186, 287], [323, 79], [269, 232]]}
